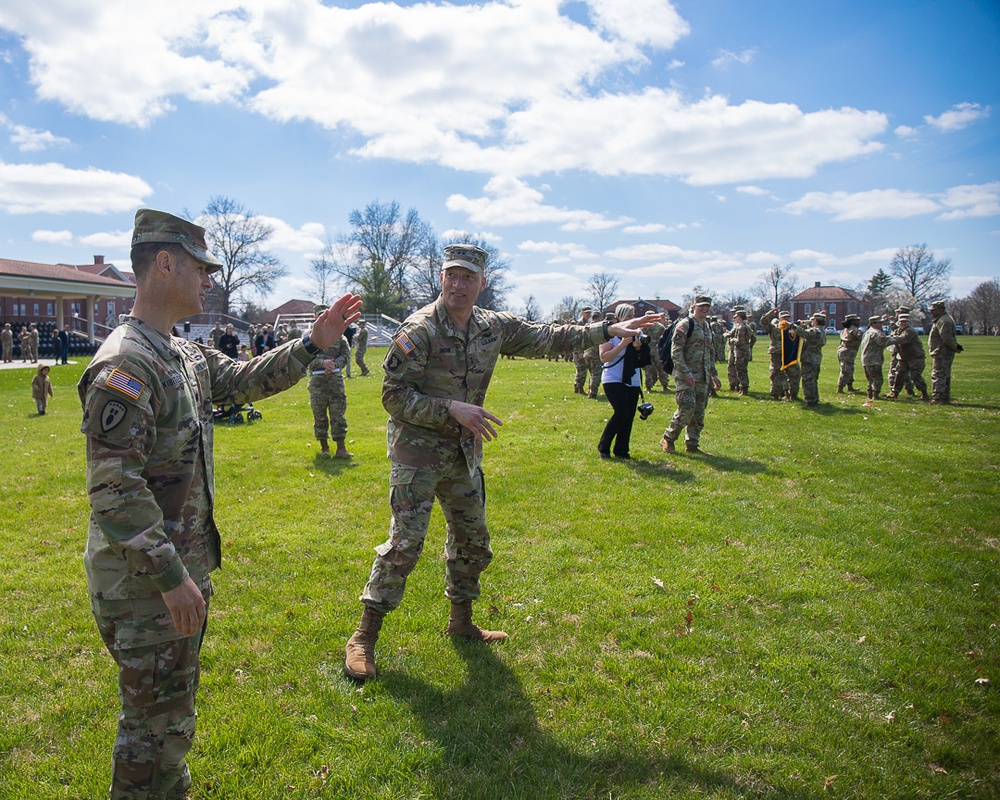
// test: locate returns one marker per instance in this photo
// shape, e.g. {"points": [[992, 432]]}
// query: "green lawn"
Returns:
{"points": [[810, 612]]}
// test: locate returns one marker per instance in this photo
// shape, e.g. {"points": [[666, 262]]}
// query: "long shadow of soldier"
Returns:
{"points": [[493, 745]]}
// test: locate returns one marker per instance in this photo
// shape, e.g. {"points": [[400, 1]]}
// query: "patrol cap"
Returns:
{"points": [[903, 310], [163, 228], [702, 300], [902, 318], [467, 256], [852, 318], [740, 312], [319, 308], [586, 308], [874, 320], [362, 322], [819, 315], [937, 304], [784, 315]]}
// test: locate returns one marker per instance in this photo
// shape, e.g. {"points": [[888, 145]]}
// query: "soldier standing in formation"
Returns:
{"points": [[784, 379], [811, 356], [361, 347], [148, 400], [911, 359], [328, 394], [693, 353], [894, 356], [25, 344], [847, 352], [943, 345], [740, 348], [7, 337], [437, 371], [579, 357], [873, 345]]}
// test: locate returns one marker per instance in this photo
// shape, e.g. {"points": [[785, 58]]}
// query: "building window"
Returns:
{"points": [[36, 311], [111, 308], [50, 309], [75, 309], [806, 309], [833, 308]]}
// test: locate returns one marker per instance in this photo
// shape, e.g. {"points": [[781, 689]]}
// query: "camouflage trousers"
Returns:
{"points": [[846, 359], [596, 369], [158, 673], [359, 359], [738, 372], [784, 382], [690, 414], [941, 374], [893, 369], [907, 371], [874, 376], [467, 544], [810, 382], [8, 352], [328, 401], [580, 379], [655, 372]]}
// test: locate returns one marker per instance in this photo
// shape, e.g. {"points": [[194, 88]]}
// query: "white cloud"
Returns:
{"points": [[653, 227], [29, 140], [536, 104], [981, 200], [53, 237], [57, 189], [109, 240], [727, 57], [958, 117], [756, 191], [971, 201], [310, 237], [905, 131], [511, 201]]}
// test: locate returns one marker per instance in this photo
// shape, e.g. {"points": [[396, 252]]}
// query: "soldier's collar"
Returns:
{"points": [[162, 343]]}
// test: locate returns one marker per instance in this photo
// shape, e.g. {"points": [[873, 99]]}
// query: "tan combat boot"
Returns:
{"points": [[460, 624], [341, 450], [324, 447], [359, 662], [667, 445]]}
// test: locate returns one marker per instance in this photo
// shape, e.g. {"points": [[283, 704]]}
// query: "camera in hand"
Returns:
{"points": [[645, 409]]}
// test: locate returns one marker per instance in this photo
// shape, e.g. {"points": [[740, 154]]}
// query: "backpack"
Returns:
{"points": [[666, 342]]}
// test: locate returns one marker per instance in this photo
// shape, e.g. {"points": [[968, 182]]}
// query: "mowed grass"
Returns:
{"points": [[809, 612]]}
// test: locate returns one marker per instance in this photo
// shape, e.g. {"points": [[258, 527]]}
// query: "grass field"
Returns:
{"points": [[809, 612]]}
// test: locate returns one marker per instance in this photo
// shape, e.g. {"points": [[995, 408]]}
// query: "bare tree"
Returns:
{"points": [[985, 304], [921, 275], [532, 311], [777, 286], [730, 300], [567, 309], [323, 278], [379, 256], [603, 287], [494, 295], [425, 278], [237, 238]]}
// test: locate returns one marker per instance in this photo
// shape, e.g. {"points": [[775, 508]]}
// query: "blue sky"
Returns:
{"points": [[671, 144]]}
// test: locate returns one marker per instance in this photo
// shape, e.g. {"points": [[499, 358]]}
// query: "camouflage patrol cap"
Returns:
{"points": [[903, 310], [586, 308], [937, 304], [740, 312], [873, 320], [784, 315], [467, 256], [319, 308], [902, 318], [163, 228], [819, 315], [702, 300]]}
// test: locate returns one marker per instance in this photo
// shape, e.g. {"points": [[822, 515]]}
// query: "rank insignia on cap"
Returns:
{"points": [[125, 383], [403, 342]]}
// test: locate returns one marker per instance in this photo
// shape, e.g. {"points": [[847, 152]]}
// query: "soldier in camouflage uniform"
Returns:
{"points": [[894, 356], [579, 357], [361, 347], [655, 371], [148, 400], [33, 342], [784, 382], [694, 375], [847, 352], [328, 395], [739, 343], [943, 345], [8, 343], [811, 356], [873, 345], [911, 359], [592, 355], [437, 371]]}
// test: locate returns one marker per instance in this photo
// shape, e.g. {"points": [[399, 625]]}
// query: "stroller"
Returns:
{"points": [[233, 413]]}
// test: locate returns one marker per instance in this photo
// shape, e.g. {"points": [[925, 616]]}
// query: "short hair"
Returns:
{"points": [[144, 254]]}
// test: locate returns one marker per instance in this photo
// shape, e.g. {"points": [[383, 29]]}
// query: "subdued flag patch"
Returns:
{"points": [[125, 383]]}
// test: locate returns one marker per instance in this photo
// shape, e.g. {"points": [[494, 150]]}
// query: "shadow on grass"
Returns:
{"points": [[493, 745], [329, 465]]}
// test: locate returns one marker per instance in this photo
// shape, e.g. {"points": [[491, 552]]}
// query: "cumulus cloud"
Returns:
{"points": [[961, 202], [959, 116], [554, 105], [510, 201], [29, 140], [727, 57], [971, 201], [57, 189], [53, 237]]}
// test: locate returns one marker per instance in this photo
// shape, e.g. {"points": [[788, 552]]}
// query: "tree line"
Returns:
{"points": [[393, 259]]}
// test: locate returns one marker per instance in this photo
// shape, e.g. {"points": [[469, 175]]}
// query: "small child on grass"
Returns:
{"points": [[41, 388]]}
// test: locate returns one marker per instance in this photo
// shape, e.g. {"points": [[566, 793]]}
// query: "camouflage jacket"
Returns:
{"points": [[942, 335], [813, 341], [908, 346], [873, 345], [361, 340], [430, 363], [770, 323], [148, 402], [694, 354], [850, 340], [340, 352], [740, 338]]}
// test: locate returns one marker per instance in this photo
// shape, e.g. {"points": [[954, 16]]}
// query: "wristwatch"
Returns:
{"points": [[311, 347]]}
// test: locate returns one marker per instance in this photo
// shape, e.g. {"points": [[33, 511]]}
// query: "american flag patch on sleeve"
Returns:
{"points": [[125, 383], [403, 342]]}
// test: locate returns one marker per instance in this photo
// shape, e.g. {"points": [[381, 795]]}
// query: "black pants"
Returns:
{"points": [[624, 400]]}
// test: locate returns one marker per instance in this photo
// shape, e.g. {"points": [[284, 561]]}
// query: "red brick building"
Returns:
{"points": [[833, 301]]}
